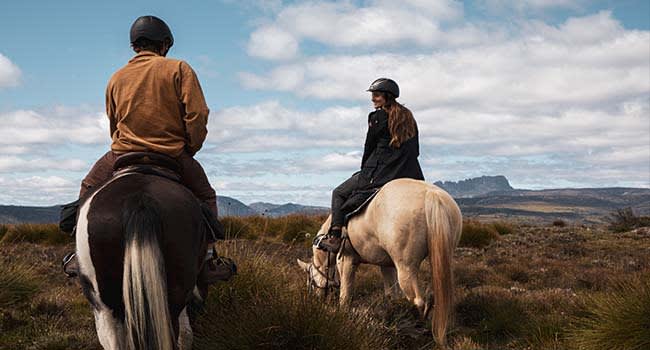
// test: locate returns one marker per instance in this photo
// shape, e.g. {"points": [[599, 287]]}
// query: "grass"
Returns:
{"points": [[538, 287], [18, 284], [624, 219], [266, 307], [36, 233], [295, 228], [477, 234], [619, 320]]}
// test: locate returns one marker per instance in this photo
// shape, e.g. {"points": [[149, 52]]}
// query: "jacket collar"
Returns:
{"points": [[143, 55]]}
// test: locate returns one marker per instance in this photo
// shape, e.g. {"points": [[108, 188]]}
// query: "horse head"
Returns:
{"points": [[322, 273]]}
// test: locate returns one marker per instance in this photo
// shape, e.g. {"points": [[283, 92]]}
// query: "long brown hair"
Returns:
{"points": [[401, 123]]}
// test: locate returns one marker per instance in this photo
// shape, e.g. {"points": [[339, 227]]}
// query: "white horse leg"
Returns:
{"points": [[110, 331], [185, 335], [347, 271], [408, 281], [390, 281]]}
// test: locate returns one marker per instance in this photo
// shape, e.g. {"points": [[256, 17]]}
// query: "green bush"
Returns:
{"points": [[616, 320], [290, 228], [36, 233], [476, 234], [559, 223]]}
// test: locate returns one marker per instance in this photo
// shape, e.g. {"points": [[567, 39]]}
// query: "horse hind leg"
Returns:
{"points": [[408, 281]]}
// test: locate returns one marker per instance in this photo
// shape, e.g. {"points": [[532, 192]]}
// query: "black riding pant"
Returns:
{"points": [[347, 197]]}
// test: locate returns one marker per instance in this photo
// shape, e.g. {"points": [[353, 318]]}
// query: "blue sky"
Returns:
{"points": [[550, 93]]}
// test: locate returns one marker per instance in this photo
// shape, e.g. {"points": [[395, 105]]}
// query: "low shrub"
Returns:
{"points": [[559, 223], [36, 233], [3, 229], [624, 219], [616, 320], [478, 235], [290, 228], [503, 228]]}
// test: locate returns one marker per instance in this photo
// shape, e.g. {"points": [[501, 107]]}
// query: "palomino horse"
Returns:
{"points": [[405, 222], [140, 244]]}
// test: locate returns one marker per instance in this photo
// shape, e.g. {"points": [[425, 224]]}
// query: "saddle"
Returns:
{"points": [[357, 202], [148, 163]]}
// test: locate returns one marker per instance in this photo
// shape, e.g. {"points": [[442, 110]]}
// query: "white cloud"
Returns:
{"points": [[341, 23], [9, 72], [37, 190], [272, 43], [585, 62], [12, 164], [60, 125]]}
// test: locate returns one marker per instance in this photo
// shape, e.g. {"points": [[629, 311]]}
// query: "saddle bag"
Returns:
{"points": [[68, 217]]}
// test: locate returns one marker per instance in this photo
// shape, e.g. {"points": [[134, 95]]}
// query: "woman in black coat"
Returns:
{"points": [[391, 152]]}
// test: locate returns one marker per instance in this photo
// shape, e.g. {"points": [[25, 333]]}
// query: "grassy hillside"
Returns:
{"points": [[517, 286]]}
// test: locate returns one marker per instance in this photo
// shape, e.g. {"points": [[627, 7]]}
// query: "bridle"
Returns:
{"points": [[330, 281]]}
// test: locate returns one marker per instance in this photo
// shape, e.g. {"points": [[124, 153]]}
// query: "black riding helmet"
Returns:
{"points": [[152, 28], [385, 85]]}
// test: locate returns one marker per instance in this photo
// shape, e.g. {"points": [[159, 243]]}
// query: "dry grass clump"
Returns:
{"points": [[559, 223], [18, 284], [477, 234], [36, 233], [267, 307], [290, 229], [618, 320], [624, 219], [3, 229], [504, 227]]}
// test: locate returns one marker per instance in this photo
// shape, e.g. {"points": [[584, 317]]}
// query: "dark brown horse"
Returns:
{"points": [[140, 244]]}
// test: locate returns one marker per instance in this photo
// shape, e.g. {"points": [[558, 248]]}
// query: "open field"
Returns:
{"points": [[524, 287]]}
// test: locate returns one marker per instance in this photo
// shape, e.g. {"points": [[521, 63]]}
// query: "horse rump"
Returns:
{"points": [[144, 288]]}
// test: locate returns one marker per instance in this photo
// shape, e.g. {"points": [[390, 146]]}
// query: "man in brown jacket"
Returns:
{"points": [[155, 104]]}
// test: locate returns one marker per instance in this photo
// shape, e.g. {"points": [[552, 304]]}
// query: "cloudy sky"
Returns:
{"points": [[549, 93]]}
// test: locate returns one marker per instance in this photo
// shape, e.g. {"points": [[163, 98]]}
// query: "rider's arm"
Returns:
{"points": [[196, 110], [377, 121], [110, 109]]}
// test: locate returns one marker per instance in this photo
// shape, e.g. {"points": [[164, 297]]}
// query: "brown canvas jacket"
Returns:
{"points": [[156, 104]]}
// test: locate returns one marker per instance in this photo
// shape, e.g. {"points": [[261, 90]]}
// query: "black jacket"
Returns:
{"points": [[381, 162]]}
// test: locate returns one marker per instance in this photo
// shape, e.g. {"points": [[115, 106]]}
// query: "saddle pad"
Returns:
{"points": [[361, 207]]}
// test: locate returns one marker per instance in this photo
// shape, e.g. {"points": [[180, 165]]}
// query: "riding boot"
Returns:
{"points": [[331, 242], [216, 268]]}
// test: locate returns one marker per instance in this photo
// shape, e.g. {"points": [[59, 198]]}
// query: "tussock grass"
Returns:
{"points": [[36, 233], [477, 234], [504, 227], [559, 223], [289, 229], [3, 229], [268, 307], [616, 320], [18, 284], [494, 315]]}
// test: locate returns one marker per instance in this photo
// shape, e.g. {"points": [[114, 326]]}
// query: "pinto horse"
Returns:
{"points": [[140, 244], [407, 221]]}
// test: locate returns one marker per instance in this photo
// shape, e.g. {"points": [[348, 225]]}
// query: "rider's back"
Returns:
{"points": [[156, 104]]}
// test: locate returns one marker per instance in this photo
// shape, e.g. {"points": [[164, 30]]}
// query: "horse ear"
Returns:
{"points": [[303, 265]]}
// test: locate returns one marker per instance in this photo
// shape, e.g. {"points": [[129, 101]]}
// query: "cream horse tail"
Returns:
{"points": [[444, 224], [144, 288]]}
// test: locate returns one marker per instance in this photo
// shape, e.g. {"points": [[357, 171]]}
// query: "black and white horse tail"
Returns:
{"points": [[147, 321]]}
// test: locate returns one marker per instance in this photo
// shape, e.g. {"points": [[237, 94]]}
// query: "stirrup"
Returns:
{"points": [[67, 259]]}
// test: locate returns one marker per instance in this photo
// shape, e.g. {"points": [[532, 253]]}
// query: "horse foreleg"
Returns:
{"points": [[408, 281], [185, 336], [390, 281], [347, 271]]}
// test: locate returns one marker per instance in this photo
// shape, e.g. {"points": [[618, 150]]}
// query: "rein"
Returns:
{"points": [[330, 282]]}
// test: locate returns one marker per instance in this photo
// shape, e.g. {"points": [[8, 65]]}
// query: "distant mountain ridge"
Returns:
{"points": [[477, 186], [483, 197]]}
